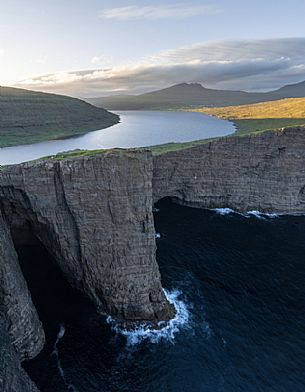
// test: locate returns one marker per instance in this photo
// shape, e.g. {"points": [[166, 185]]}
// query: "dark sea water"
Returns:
{"points": [[136, 129], [242, 326]]}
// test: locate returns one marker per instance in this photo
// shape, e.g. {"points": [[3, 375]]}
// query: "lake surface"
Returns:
{"points": [[239, 285], [136, 129]]}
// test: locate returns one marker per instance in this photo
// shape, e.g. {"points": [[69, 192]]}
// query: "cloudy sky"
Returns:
{"points": [[101, 47]]}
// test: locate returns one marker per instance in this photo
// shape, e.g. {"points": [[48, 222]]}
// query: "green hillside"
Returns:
{"points": [[29, 117], [261, 116]]}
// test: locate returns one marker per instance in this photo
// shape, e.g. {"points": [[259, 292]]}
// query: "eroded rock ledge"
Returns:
{"points": [[94, 216]]}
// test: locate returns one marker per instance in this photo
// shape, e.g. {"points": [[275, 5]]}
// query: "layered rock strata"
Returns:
{"points": [[12, 377], [94, 216], [264, 172], [24, 326]]}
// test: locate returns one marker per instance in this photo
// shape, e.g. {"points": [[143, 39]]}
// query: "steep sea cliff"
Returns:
{"points": [[93, 215]]}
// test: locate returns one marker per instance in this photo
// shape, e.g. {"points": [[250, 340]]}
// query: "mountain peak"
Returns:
{"points": [[189, 85]]}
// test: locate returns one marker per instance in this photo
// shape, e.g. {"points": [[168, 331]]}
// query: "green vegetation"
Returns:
{"points": [[85, 153], [72, 154], [261, 116], [280, 109], [168, 147], [29, 117], [248, 126]]}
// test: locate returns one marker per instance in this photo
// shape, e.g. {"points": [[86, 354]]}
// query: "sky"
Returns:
{"points": [[96, 48]]}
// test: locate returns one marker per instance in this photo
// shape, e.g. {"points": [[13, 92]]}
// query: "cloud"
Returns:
{"points": [[159, 11], [1, 52], [101, 60], [239, 65]]}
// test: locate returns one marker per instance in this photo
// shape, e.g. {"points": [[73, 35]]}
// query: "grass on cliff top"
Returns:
{"points": [[85, 153], [249, 126]]}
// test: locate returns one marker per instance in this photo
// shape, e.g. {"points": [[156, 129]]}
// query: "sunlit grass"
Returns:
{"points": [[281, 109]]}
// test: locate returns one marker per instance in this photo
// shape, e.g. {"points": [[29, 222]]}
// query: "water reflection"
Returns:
{"points": [[136, 129]]}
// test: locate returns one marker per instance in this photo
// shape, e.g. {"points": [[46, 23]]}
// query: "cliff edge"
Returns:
{"points": [[93, 214]]}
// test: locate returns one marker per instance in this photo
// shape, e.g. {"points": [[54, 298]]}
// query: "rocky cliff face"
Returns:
{"points": [[12, 377], [24, 327], [94, 216], [265, 172]]}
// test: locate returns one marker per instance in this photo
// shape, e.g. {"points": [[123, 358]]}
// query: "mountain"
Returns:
{"points": [[296, 90], [28, 117], [186, 95]]}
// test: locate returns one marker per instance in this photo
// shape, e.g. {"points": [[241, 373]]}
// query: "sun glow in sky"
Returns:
{"points": [[90, 47]]}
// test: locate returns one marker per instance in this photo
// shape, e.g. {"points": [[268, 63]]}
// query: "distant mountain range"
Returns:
{"points": [[187, 95]]}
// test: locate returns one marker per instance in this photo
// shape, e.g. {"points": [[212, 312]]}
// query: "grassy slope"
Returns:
{"points": [[283, 108], [262, 116], [28, 117]]}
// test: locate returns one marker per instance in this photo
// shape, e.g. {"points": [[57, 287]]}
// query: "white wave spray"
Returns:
{"points": [[55, 353], [223, 211], [165, 331], [248, 214], [261, 215]]}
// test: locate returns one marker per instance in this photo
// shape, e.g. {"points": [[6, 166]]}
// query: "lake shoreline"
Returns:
{"points": [[136, 129]]}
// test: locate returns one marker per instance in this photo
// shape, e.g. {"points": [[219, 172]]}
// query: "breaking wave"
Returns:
{"points": [[248, 214], [261, 215], [223, 211], [165, 331]]}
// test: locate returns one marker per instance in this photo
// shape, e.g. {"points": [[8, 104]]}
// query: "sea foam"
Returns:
{"points": [[248, 214], [223, 211], [165, 331], [261, 215], [55, 353]]}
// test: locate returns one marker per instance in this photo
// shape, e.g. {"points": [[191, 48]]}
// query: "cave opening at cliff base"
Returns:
{"points": [[53, 297]]}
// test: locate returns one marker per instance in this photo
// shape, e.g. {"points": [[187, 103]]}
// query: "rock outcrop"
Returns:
{"points": [[264, 172], [24, 327], [12, 377]]}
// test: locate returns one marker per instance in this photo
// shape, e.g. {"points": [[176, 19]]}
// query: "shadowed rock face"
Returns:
{"points": [[12, 377], [24, 325], [265, 172]]}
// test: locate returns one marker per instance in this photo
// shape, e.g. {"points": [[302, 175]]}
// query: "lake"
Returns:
{"points": [[136, 129]]}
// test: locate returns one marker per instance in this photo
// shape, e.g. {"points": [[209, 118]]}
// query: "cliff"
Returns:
{"points": [[259, 172], [93, 214], [12, 377], [24, 326]]}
